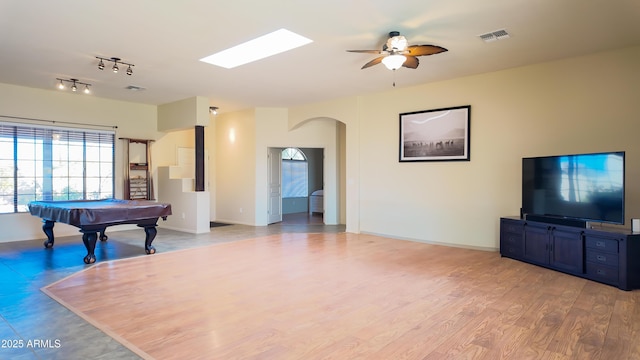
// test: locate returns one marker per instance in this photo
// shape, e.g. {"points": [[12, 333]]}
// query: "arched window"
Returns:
{"points": [[295, 173]]}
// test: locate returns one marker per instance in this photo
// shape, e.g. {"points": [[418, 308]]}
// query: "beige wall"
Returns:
{"points": [[132, 120], [272, 131], [584, 104], [235, 174], [241, 165], [346, 112], [129, 119], [167, 145], [183, 114]]}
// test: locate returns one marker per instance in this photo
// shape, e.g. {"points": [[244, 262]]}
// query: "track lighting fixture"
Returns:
{"points": [[115, 62], [213, 110], [74, 85]]}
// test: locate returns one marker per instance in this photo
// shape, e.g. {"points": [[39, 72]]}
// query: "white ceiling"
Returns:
{"points": [[41, 40]]}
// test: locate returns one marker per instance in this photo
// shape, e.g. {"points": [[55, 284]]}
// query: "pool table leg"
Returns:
{"points": [[47, 227], [150, 232], [89, 239]]}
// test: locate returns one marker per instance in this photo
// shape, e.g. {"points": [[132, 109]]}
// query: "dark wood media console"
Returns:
{"points": [[609, 256]]}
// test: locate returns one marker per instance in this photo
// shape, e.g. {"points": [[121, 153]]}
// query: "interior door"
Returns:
{"points": [[274, 177]]}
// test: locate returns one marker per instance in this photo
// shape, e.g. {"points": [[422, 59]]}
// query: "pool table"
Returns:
{"points": [[94, 216]]}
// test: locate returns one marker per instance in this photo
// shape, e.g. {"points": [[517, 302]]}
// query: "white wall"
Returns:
{"points": [[190, 209], [585, 104]]}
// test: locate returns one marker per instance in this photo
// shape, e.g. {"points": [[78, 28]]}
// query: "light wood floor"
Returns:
{"points": [[349, 296]]}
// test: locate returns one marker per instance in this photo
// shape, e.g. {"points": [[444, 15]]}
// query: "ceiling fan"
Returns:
{"points": [[396, 53]]}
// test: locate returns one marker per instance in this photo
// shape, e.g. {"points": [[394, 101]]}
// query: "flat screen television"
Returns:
{"points": [[585, 187]]}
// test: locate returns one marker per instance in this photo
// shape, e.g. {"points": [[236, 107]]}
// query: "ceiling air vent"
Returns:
{"points": [[494, 35], [134, 88]]}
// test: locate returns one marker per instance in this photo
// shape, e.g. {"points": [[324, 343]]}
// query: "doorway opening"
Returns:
{"points": [[302, 174]]}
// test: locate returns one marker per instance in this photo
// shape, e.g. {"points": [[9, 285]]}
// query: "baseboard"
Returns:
{"points": [[461, 246]]}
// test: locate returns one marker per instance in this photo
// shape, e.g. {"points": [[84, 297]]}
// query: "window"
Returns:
{"points": [[49, 163], [295, 173]]}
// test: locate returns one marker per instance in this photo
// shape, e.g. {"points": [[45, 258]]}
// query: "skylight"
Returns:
{"points": [[259, 48]]}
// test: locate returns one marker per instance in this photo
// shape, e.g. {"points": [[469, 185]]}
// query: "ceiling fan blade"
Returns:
{"points": [[375, 61], [411, 62], [368, 51], [422, 50]]}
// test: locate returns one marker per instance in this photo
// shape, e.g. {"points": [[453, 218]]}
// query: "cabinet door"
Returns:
{"points": [[567, 247], [536, 243]]}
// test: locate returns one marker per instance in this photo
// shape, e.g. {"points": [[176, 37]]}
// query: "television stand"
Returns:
{"points": [[547, 219], [609, 256]]}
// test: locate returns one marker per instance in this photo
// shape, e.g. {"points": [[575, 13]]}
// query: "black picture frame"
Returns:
{"points": [[436, 135]]}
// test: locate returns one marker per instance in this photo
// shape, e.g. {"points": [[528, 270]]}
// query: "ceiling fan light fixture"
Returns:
{"points": [[397, 42], [394, 50], [394, 62]]}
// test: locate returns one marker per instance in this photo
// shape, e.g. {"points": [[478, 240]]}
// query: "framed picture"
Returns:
{"points": [[435, 135]]}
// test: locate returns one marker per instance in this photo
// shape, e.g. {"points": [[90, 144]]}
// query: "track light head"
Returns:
{"points": [[101, 65], [61, 85], [86, 89], [129, 70], [115, 64], [213, 110]]}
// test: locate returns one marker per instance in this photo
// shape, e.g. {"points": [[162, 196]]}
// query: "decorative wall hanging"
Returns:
{"points": [[435, 135]]}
